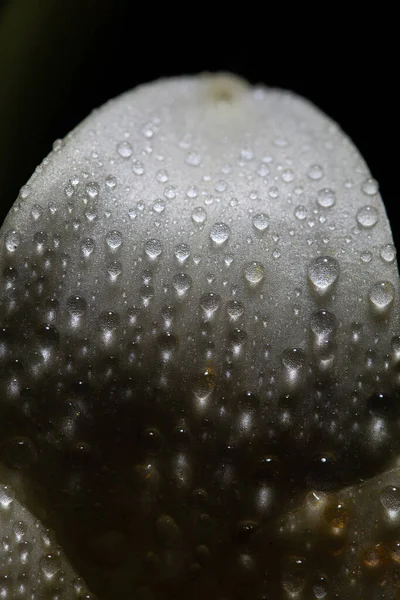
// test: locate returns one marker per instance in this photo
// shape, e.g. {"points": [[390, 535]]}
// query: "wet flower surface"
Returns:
{"points": [[199, 357]]}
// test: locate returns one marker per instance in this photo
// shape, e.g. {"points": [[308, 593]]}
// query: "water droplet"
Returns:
{"points": [[326, 198], [167, 532], [181, 283], [76, 306], [167, 343], [25, 191], [159, 206], [219, 233], [153, 248], [124, 149], [287, 175], [109, 321], [12, 240], [162, 176], [367, 217], [390, 500], [315, 172], [293, 359], [381, 297], [92, 189], [50, 565], [273, 192], [323, 323], [192, 192], [193, 159], [261, 221], [114, 269], [209, 304], [366, 256], [170, 192], [199, 215], [300, 212], [254, 273], [221, 186], [36, 212], [370, 187], [323, 273], [114, 239], [111, 181], [182, 252], [235, 309], [87, 247], [137, 167], [388, 253], [6, 496]]}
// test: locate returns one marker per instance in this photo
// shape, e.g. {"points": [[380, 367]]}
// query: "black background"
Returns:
{"points": [[59, 59]]}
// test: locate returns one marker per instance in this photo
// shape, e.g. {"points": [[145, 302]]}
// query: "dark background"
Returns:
{"points": [[61, 58]]}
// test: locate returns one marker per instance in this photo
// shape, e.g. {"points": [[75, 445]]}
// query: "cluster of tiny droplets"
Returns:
{"points": [[152, 393]]}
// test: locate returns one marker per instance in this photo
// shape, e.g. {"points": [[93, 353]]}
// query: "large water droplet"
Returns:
{"points": [[124, 149], [323, 323], [199, 215], [50, 565], [323, 273], [182, 253], [209, 304], [390, 500], [370, 187], [261, 221], [254, 273], [153, 248], [315, 172], [367, 217], [114, 239], [76, 306], [12, 240], [181, 283], [388, 253], [219, 233], [326, 198], [381, 297]]}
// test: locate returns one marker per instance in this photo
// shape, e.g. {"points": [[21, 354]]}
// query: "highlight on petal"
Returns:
{"points": [[200, 350]]}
